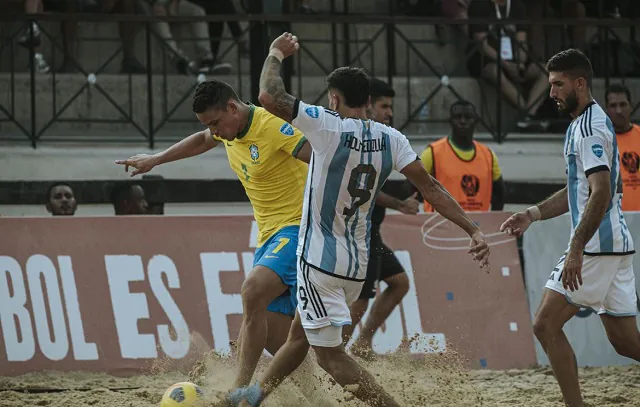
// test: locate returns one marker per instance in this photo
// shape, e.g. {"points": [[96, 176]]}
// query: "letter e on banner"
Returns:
{"points": [[159, 265], [129, 307], [13, 308]]}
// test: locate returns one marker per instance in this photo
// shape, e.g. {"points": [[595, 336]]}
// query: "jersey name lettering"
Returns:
{"points": [[365, 146]]}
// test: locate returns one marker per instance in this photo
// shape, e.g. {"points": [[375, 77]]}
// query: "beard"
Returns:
{"points": [[570, 104]]}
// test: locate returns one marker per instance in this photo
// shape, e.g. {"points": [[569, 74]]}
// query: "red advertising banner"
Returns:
{"points": [[113, 293]]}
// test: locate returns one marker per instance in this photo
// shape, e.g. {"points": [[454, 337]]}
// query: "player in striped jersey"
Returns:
{"points": [[352, 158], [596, 271]]}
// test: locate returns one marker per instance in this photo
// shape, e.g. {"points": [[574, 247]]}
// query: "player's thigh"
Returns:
{"points": [[554, 311], [622, 331], [324, 305], [621, 299], [391, 271], [597, 274], [278, 255]]}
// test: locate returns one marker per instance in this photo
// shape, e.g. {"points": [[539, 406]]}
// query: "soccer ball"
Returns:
{"points": [[184, 394]]}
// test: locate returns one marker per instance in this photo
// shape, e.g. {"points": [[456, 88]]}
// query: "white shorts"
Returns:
{"points": [[608, 285], [323, 305]]}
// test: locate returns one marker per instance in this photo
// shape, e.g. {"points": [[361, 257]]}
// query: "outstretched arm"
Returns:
{"points": [[273, 96]]}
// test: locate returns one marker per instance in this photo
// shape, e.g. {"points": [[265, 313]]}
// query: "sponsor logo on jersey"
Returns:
{"points": [[286, 129], [597, 150], [312, 111]]}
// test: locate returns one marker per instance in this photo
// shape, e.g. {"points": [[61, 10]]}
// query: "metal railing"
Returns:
{"points": [[154, 100]]}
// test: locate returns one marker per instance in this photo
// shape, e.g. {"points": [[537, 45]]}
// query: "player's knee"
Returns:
{"points": [[328, 359], [253, 297], [541, 328], [400, 284]]}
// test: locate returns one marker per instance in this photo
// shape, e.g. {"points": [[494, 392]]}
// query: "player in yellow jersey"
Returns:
{"points": [[262, 150]]}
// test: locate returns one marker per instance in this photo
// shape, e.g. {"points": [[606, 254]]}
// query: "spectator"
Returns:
{"points": [[217, 28], [60, 200], [468, 169], [619, 107], [156, 194], [128, 31], [128, 199], [199, 30], [517, 67], [566, 9]]}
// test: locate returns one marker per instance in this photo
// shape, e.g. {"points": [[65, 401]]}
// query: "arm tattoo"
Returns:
{"points": [[281, 103]]}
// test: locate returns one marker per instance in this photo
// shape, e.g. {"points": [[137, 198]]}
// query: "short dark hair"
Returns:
{"points": [[572, 62], [55, 185], [121, 192], [617, 88], [213, 93], [380, 89], [353, 83], [461, 102]]}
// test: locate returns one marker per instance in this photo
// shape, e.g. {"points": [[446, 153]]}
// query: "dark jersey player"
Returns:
{"points": [[383, 264]]}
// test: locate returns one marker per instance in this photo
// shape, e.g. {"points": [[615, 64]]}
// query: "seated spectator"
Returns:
{"points": [[517, 67], [128, 31], [205, 60], [469, 170], [155, 193], [619, 107], [566, 9], [128, 199], [216, 29], [61, 200]]}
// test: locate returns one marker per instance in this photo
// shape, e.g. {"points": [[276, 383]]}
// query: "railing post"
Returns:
{"points": [[32, 82], [498, 28], [149, 85], [259, 48], [391, 48]]}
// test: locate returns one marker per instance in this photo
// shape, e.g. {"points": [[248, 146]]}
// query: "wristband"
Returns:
{"points": [[276, 53], [534, 213]]}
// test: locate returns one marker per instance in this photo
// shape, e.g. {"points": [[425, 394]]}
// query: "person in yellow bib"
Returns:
{"points": [[469, 170]]}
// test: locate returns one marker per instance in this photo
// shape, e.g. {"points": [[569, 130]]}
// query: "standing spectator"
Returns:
{"points": [[216, 29], [199, 31], [619, 107], [517, 67], [469, 170], [128, 199], [60, 200]]}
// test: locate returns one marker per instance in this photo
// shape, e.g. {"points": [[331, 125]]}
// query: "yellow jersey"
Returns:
{"points": [[464, 155], [263, 156]]}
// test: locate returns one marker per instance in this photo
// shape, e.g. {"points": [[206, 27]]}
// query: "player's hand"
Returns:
{"points": [[410, 206], [141, 163], [517, 224], [572, 270], [479, 250], [287, 43]]}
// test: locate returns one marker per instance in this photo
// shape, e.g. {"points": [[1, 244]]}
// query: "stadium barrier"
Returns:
{"points": [[543, 245], [115, 294]]}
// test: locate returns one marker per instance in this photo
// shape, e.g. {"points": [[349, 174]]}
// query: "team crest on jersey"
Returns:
{"points": [[597, 150], [253, 150], [286, 129], [312, 111]]}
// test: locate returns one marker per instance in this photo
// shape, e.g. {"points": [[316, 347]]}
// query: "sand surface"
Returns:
{"points": [[433, 381]]}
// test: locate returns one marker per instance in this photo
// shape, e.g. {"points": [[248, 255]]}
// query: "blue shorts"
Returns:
{"points": [[279, 254]]}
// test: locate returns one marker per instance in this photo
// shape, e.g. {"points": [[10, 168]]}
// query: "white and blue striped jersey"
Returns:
{"points": [[351, 160], [590, 146]]}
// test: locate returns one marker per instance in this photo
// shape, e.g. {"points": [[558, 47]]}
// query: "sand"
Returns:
{"points": [[433, 381]]}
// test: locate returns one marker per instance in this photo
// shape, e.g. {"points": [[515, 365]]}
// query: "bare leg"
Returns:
{"points": [[358, 309], [623, 335], [350, 375], [553, 313], [509, 91], [258, 291], [381, 309], [538, 90]]}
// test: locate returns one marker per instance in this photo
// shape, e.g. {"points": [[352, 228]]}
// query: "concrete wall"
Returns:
{"points": [[130, 95]]}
